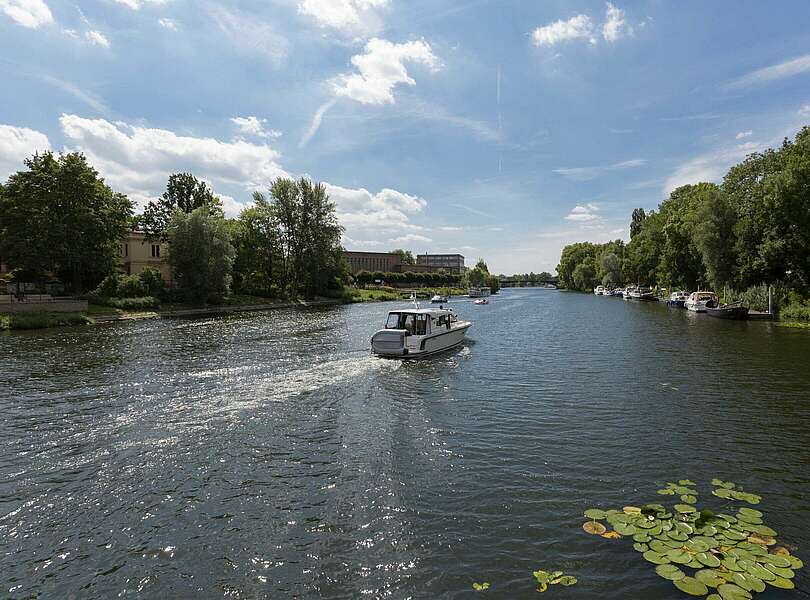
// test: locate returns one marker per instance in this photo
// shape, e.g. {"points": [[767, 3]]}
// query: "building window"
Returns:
{"points": [[155, 250], [126, 249]]}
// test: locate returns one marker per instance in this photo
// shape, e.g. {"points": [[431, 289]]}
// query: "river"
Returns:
{"points": [[268, 455]]}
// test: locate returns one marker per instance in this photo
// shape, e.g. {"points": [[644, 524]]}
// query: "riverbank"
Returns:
{"points": [[42, 320]]}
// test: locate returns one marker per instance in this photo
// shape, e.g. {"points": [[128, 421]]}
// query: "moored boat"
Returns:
{"points": [[479, 292], [599, 290], [417, 332], [735, 311], [439, 299], [628, 292], [700, 301], [677, 299]]}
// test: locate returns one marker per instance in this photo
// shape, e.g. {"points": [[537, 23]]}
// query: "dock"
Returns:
{"points": [[755, 315]]}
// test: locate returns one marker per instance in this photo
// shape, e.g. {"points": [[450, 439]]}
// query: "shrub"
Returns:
{"points": [[756, 297], [152, 283], [143, 303], [796, 311], [42, 320], [130, 286], [108, 287]]}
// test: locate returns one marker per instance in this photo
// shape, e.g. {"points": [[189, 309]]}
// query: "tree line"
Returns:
{"points": [[59, 217], [752, 229]]}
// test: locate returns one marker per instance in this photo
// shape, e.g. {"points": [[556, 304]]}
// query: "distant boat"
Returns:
{"points": [[700, 301], [481, 301], [644, 294], [735, 311], [438, 299], [599, 290], [678, 299], [628, 291], [479, 292], [617, 292]]}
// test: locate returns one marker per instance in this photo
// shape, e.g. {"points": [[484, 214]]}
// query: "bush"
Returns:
{"points": [[152, 283], [42, 320], [108, 287], [796, 311], [756, 297], [143, 303], [130, 286]]}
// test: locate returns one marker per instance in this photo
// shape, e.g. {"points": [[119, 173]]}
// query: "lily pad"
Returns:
{"points": [[783, 583], [481, 587], [671, 572], [639, 547], [730, 591], [595, 514], [684, 508], [612, 535], [709, 577], [679, 556], [656, 557], [688, 498], [567, 580], [691, 586], [594, 527], [708, 559]]}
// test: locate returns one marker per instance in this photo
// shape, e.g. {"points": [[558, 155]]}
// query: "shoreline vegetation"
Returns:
{"points": [[749, 234], [283, 248]]}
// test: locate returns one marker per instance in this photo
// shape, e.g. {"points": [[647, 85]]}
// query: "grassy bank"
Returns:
{"points": [[42, 320], [356, 296]]}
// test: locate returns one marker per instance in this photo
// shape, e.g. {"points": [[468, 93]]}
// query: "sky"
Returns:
{"points": [[501, 129]]}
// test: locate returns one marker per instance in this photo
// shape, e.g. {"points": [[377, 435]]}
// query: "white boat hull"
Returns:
{"points": [[394, 343], [695, 306]]}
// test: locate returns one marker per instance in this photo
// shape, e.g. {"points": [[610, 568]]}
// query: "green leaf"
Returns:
{"points": [[670, 572], [691, 586]]}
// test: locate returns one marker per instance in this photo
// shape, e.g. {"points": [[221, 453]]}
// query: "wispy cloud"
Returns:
{"points": [[577, 27], [804, 111], [589, 173], [28, 13], [766, 75], [255, 126], [474, 211], [317, 119], [90, 99], [700, 117], [584, 214], [744, 134]]}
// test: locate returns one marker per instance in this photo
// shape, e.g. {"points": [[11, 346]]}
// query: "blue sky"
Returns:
{"points": [[500, 129]]}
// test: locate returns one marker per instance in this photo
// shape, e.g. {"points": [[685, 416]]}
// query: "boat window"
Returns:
{"points": [[407, 323], [393, 321], [421, 325]]}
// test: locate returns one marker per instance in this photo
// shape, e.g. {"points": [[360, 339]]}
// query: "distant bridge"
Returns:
{"points": [[523, 282]]}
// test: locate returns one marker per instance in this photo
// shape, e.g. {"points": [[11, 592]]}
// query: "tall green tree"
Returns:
{"points": [[184, 192], [714, 226], [59, 216], [201, 255], [637, 221], [611, 268], [256, 239], [405, 256]]}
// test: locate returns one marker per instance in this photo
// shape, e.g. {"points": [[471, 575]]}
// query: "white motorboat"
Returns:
{"points": [[599, 290], [417, 332], [700, 301], [481, 301], [439, 299], [678, 299], [479, 292]]}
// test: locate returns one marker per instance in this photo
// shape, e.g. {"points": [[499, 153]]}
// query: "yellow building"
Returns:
{"points": [[138, 253]]}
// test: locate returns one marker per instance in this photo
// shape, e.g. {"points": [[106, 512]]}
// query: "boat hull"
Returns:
{"points": [[736, 313], [393, 343], [676, 303]]}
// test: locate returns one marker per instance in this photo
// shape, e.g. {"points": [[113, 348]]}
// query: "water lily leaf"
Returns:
{"points": [[666, 492], [677, 535], [688, 499], [795, 562], [746, 518], [750, 511], [481, 587], [730, 563], [744, 580], [760, 572], [714, 597], [686, 482], [659, 546], [542, 587], [631, 510], [677, 555], [612, 535], [773, 559], [595, 514], [709, 577], [696, 546], [656, 557], [670, 572], [541, 576], [764, 530], [735, 535], [641, 537], [762, 540], [639, 547], [684, 508], [785, 572], [722, 493], [781, 582], [594, 527], [691, 586], [568, 580], [624, 528], [554, 576], [708, 559], [730, 591]]}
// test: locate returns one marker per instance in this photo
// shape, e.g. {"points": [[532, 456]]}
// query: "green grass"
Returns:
{"points": [[42, 320], [357, 296], [99, 310]]}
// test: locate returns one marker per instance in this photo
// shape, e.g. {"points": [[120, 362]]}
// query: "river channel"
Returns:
{"points": [[269, 455]]}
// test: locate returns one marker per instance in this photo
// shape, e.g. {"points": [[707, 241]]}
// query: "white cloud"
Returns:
{"points": [[577, 27], [97, 38], [615, 26], [450, 228], [804, 111], [255, 126], [588, 173], [363, 213], [167, 23], [584, 214], [744, 134], [90, 99], [411, 238], [28, 13], [16, 144], [250, 35], [317, 119], [381, 68], [136, 4], [783, 70], [341, 14], [138, 160]]}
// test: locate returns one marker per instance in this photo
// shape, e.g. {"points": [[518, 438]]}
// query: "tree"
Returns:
{"points": [[585, 275], [255, 237], [637, 221], [201, 255], [59, 216], [184, 192], [479, 275], [405, 256], [714, 226], [611, 267]]}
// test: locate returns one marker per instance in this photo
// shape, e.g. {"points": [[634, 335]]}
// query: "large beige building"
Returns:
{"points": [[138, 253]]}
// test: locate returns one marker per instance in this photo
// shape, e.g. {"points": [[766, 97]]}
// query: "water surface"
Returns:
{"points": [[268, 455]]}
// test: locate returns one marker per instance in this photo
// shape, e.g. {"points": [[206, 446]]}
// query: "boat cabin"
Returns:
{"points": [[420, 321], [418, 332]]}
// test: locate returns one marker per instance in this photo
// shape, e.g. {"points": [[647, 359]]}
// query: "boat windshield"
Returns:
{"points": [[412, 323]]}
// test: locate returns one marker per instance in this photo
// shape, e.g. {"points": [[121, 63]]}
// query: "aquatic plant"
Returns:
{"points": [[481, 587], [545, 579], [731, 557]]}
